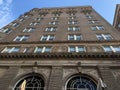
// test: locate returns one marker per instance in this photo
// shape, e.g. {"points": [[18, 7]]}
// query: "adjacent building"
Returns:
{"points": [[66, 48], [116, 22]]}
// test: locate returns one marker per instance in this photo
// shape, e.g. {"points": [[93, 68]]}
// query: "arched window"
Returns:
{"points": [[80, 82], [33, 82]]}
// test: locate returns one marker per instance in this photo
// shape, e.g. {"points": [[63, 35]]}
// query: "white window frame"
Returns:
{"points": [[48, 37], [43, 49], [21, 37], [34, 23], [5, 30], [76, 48], [29, 29], [75, 36], [51, 29], [73, 28], [10, 51], [72, 22], [53, 23], [94, 28], [104, 36], [112, 48], [93, 21]]}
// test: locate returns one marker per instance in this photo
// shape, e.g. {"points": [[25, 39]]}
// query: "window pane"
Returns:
{"points": [[116, 48], [71, 49], [80, 49], [107, 49]]}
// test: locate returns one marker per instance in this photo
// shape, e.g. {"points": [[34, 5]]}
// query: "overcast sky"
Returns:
{"points": [[12, 9]]}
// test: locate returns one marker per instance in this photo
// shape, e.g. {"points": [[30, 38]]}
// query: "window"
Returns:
{"points": [[29, 29], [89, 16], [21, 19], [111, 48], [81, 82], [74, 37], [47, 38], [93, 21], [54, 18], [73, 22], [104, 37], [38, 19], [43, 49], [51, 29], [21, 38], [97, 28], [11, 50], [33, 82], [53, 23], [34, 23], [76, 49], [26, 50], [72, 17], [6, 30], [73, 28], [15, 24]]}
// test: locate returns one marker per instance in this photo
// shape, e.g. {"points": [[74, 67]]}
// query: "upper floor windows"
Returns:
{"points": [[42, 49], [34, 23], [76, 49], [93, 21], [6, 30], [29, 29], [72, 17], [89, 16], [72, 22], [97, 28], [11, 50], [15, 24], [21, 38], [73, 28], [111, 48], [53, 23], [47, 38], [104, 37], [51, 29], [38, 19], [21, 19], [55, 18], [74, 37]]}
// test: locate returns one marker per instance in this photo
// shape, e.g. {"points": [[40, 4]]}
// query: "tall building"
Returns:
{"points": [[68, 48], [116, 22]]}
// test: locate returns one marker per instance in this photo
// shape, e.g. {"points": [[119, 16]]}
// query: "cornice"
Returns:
{"points": [[61, 42], [65, 55]]}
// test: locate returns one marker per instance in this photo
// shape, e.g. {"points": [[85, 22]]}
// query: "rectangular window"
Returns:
{"points": [[72, 17], [34, 23], [15, 24], [11, 50], [89, 16], [43, 49], [21, 19], [73, 22], [54, 18], [104, 37], [38, 19], [74, 37], [93, 21], [29, 29], [73, 28], [21, 38], [76, 49], [47, 38], [6, 30], [51, 29], [111, 48], [53, 23], [26, 50], [97, 28]]}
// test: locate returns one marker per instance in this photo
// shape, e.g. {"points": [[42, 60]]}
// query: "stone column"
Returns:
{"points": [[55, 81]]}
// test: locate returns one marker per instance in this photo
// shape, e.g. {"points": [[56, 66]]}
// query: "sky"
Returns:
{"points": [[12, 9]]}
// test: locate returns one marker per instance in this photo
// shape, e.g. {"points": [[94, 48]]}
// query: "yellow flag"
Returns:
{"points": [[22, 87]]}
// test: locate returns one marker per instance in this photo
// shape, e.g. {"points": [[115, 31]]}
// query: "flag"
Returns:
{"points": [[22, 87]]}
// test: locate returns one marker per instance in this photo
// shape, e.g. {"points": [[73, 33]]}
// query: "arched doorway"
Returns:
{"points": [[33, 82], [81, 82]]}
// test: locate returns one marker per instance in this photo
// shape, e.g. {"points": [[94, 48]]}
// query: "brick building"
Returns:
{"points": [[68, 48], [116, 22]]}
